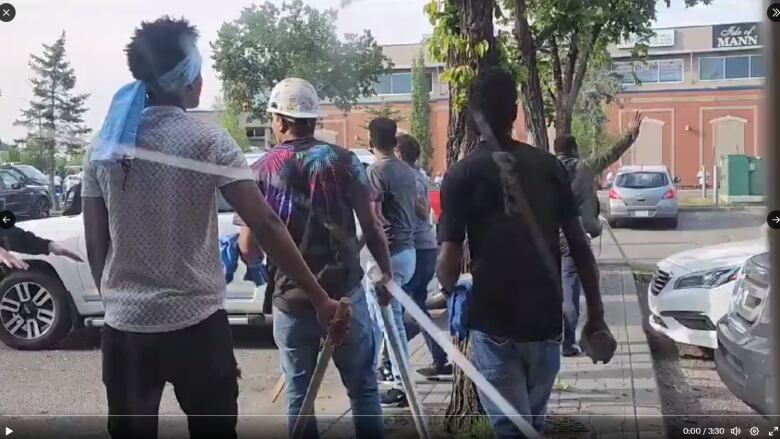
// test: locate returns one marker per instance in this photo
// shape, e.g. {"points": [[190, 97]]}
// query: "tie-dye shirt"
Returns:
{"points": [[309, 184]]}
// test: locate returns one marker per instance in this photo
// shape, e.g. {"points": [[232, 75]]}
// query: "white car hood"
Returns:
{"points": [[59, 228], [719, 255]]}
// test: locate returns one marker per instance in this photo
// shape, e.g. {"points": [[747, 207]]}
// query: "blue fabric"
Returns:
{"points": [[228, 251], [457, 308], [298, 337], [572, 287], [523, 372], [402, 264], [117, 137]]}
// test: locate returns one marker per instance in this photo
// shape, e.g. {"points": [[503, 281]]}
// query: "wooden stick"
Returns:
{"points": [[307, 407], [277, 389]]}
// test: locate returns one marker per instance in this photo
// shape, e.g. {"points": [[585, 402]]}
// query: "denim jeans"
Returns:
{"points": [[417, 287], [571, 300], [402, 264], [298, 338], [523, 372]]}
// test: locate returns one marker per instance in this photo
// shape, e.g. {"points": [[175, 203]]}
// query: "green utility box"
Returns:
{"points": [[742, 179]]}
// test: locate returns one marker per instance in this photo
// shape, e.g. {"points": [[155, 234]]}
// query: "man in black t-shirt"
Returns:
{"points": [[514, 314]]}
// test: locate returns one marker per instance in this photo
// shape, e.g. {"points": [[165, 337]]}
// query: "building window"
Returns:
{"points": [[399, 82], [715, 68], [651, 72]]}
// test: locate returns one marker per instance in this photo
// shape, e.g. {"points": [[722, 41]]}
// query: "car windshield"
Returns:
{"points": [[33, 173], [642, 180]]}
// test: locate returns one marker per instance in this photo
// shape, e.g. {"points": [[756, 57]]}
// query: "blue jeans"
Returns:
{"points": [[298, 338], [417, 287], [571, 300], [402, 264], [523, 372]]}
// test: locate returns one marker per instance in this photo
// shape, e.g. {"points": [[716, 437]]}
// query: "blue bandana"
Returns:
{"points": [[117, 138]]}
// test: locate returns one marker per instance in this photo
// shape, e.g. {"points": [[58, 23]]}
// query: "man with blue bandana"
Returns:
{"points": [[150, 219]]}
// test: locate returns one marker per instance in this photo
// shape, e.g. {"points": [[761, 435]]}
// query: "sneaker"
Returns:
{"points": [[384, 376], [434, 373], [394, 398], [571, 350]]}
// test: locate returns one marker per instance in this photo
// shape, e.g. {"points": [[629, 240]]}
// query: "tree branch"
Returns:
{"points": [[582, 67], [571, 62], [556, 59]]}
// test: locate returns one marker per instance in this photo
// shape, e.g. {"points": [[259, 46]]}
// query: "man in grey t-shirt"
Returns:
{"points": [[151, 236], [394, 187]]}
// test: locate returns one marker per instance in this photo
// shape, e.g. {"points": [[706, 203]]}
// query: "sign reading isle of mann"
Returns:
{"points": [[736, 35]]}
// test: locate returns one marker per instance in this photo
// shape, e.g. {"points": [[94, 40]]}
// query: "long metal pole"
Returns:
{"points": [[773, 200], [394, 345]]}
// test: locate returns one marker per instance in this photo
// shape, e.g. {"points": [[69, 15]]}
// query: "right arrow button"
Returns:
{"points": [[773, 12], [773, 219]]}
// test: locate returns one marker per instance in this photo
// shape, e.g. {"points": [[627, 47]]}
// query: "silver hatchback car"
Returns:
{"points": [[643, 193]]}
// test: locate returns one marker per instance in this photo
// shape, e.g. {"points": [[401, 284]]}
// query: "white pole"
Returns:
{"points": [[715, 184], [394, 345]]}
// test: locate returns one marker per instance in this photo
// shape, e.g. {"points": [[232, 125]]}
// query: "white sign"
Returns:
{"points": [[661, 38]]}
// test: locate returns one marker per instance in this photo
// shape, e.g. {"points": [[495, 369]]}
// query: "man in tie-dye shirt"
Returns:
{"points": [[317, 189]]}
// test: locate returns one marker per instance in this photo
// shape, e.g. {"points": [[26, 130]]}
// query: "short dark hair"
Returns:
{"points": [[566, 144], [382, 131], [408, 147], [156, 47], [494, 94], [300, 127]]}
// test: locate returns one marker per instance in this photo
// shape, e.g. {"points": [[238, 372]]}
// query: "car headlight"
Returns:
{"points": [[707, 279]]}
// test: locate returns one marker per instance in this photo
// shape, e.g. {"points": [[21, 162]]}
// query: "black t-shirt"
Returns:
{"points": [[309, 184], [514, 295]]}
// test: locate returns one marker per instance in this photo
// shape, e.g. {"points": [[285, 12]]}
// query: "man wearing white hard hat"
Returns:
{"points": [[317, 189]]}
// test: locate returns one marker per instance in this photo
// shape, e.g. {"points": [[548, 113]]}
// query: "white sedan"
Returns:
{"points": [[692, 290]]}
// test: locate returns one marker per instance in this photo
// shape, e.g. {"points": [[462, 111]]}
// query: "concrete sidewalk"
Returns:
{"points": [[620, 399]]}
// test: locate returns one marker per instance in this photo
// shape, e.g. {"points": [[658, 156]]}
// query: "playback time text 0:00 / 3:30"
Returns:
{"points": [[703, 431]]}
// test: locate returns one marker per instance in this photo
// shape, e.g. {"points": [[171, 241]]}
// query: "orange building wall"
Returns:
{"points": [[686, 133]]}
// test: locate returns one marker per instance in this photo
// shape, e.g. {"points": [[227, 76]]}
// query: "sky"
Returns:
{"points": [[98, 30]]}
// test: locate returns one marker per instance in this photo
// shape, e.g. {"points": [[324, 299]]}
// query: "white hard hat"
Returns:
{"points": [[296, 98]]}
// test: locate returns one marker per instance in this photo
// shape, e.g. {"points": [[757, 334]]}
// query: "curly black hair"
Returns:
{"points": [[494, 94], [156, 47]]}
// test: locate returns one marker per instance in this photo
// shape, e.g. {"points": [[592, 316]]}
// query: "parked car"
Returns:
{"points": [[64, 295], [30, 175], [690, 291], [70, 181], [643, 193], [743, 358], [22, 196]]}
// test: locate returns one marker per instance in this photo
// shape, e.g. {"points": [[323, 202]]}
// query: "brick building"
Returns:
{"points": [[701, 90]]}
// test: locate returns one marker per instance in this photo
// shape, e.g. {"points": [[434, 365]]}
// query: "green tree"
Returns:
{"points": [[54, 119], [556, 41], [420, 120], [464, 39], [230, 120], [268, 43]]}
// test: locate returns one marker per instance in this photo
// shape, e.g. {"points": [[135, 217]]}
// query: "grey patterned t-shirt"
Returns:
{"points": [[163, 271]]}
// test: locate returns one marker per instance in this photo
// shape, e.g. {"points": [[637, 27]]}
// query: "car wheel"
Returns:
{"points": [[35, 311], [671, 223], [42, 208], [613, 223]]}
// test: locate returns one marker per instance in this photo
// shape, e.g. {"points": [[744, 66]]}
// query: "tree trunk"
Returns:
{"points": [[533, 102], [476, 24], [464, 403]]}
